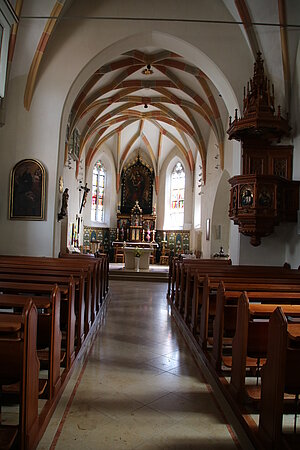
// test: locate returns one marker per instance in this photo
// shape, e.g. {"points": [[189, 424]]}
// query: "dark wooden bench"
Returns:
{"points": [[48, 333], [249, 345], [187, 267], [83, 283], [103, 277], [207, 290], [20, 364], [62, 278], [280, 375], [67, 295], [83, 286], [224, 325], [192, 305]]}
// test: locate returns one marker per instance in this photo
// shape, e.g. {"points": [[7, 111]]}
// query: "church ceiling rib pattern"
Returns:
{"points": [[161, 90], [39, 53]]}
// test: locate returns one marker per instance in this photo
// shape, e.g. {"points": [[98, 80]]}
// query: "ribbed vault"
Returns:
{"points": [[152, 100]]}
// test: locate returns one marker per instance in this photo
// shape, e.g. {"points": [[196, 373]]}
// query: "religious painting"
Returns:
{"points": [[246, 196], [27, 190], [137, 185]]}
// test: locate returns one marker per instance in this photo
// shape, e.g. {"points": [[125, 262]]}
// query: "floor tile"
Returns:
{"points": [[141, 388]]}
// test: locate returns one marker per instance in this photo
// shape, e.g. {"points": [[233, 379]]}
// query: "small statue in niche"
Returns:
{"points": [[64, 205]]}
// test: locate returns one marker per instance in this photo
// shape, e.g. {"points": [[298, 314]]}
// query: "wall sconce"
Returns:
{"points": [[207, 231]]}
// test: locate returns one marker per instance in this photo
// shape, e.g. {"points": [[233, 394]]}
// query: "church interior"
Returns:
{"points": [[150, 139]]}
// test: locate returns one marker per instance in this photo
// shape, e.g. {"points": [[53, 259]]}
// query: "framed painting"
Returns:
{"points": [[27, 191]]}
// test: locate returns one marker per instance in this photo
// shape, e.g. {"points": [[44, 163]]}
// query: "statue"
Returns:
{"points": [[64, 205]]}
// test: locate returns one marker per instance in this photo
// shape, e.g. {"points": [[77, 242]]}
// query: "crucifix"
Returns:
{"points": [[85, 193]]}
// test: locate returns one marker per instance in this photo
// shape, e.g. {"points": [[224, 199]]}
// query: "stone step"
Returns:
{"points": [[142, 275]]}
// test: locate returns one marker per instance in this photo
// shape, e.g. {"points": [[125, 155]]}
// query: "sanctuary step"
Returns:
{"points": [[155, 273]]}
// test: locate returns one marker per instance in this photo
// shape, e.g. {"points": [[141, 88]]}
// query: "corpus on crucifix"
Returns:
{"points": [[85, 193]]}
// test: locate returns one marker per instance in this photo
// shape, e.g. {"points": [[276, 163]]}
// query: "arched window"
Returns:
{"points": [[98, 188], [177, 195]]}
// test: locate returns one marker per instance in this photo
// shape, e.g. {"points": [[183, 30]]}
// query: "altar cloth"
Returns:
{"points": [[130, 257]]}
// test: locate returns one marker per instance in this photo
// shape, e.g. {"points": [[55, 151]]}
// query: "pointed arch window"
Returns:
{"points": [[98, 189], [177, 195]]}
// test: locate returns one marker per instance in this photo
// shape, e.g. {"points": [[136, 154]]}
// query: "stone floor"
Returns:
{"points": [[152, 268], [140, 387]]}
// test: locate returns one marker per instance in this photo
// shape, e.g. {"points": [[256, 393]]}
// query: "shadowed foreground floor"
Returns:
{"points": [[140, 387]]}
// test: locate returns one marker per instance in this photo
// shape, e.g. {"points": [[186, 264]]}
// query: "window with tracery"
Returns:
{"points": [[98, 188], [177, 195]]}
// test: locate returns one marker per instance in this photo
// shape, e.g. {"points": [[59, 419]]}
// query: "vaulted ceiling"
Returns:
{"points": [[151, 99]]}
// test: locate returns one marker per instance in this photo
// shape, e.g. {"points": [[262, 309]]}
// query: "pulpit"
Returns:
{"points": [[265, 194]]}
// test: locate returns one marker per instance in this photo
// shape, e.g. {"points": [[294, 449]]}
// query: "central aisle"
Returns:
{"points": [[140, 388]]}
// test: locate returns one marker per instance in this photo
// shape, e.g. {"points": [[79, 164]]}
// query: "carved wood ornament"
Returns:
{"points": [[264, 195]]}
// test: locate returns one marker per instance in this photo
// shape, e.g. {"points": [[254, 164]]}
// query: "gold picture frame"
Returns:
{"points": [[27, 191]]}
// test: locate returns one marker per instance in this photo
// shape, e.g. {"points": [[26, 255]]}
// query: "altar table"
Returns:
{"points": [[130, 257]]}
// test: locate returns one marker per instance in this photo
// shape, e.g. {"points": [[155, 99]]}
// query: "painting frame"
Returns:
{"points": [[27, 194]]}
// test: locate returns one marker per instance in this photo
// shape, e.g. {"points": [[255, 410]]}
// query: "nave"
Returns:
{"points": [[139, 387]]}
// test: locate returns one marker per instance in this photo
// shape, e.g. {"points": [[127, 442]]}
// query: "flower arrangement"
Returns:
{"points": [[138, 252]]}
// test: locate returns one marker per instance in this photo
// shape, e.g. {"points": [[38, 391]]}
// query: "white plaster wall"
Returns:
{"points": [[220, 224], [293, 237], [232, 163], [213, 175]]}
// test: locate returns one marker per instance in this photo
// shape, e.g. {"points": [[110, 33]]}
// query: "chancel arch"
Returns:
{"points": [[121, 112]]}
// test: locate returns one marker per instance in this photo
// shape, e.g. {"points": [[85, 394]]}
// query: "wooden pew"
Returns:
{"points": [[250, 341], [32, 275], [69, 267], [67, 293], [48, 333], [218, 273], [280, 375], [82, 279], [20, 364], [181, 267], [224, 325], [102, 269], [207, 289], [189, 271], [35, 276]]}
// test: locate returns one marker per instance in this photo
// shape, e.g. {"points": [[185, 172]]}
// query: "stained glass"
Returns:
{"points": [[98, 187], [177, 194]]}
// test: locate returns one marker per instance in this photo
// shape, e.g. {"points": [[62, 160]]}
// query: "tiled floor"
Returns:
{"points": [[140, 388]]}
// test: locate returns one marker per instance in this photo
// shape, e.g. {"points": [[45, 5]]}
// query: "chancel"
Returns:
{"points": [[149, 217]]}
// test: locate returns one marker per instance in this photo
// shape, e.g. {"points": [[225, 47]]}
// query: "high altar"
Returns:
{"points": [[136, 216]]}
